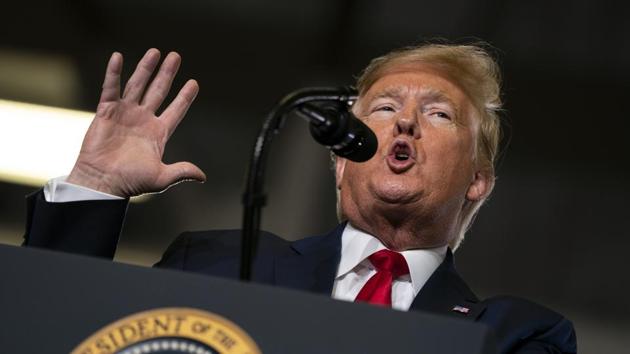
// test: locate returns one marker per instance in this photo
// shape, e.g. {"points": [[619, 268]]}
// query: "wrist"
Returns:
{"points": [[93, 178]]}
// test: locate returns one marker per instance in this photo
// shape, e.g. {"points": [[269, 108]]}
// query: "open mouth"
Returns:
{"points": [[401, 152], [401, 156]]}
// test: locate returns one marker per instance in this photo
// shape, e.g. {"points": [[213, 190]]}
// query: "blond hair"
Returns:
{"points": [[472, 69]]}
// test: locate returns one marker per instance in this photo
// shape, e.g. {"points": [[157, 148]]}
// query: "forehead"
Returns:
{"points": [[416, 80]]}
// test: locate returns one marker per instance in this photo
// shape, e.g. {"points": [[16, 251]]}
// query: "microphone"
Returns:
{"points": [[334, 126], [331, 124]]}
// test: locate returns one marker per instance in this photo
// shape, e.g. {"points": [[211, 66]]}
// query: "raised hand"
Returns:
{"points": [[122, 150]]}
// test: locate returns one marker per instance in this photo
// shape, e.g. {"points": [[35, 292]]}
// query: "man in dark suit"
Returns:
{"points": [[433, 109]]}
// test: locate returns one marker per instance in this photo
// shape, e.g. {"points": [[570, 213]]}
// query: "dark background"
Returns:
{"points": [[554, 230]]}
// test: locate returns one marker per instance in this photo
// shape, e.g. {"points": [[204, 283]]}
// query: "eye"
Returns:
{"points": [[385, 108], [438, 112], [441, 114], [382, 111]]}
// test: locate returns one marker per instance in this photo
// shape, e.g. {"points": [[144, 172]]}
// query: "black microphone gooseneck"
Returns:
{"points": [[323, 121]]}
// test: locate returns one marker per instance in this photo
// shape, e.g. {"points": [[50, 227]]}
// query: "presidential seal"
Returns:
{"points": [[169, 331]]}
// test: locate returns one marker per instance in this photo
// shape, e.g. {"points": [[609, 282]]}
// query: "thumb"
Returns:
{"points": [[179, 172]]}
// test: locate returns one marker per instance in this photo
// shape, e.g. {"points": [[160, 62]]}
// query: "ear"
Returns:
{"points": [[480, 186], [340, 166]]}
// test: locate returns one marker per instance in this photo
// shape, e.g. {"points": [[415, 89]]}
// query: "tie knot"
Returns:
{"points": [[390, 261]]}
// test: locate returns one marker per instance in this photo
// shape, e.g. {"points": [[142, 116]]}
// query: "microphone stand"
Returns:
{"points": [[254, 198]]}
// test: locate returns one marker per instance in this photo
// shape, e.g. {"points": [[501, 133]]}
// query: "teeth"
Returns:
{"points": [[402, 157], [401, 152]]}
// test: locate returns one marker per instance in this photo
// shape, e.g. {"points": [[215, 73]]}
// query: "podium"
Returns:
{"points": [[52, 302]]}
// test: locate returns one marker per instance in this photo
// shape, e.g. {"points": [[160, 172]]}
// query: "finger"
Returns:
{"points": [[158, 89], [175, 111], [111, 83], [138, 80], [179, 172]]}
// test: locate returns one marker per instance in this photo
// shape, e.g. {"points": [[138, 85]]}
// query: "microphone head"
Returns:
{"points": [[334, 126], [360, 143]]}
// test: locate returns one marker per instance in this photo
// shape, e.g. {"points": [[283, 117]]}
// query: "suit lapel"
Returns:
{"points": [[312, 264], [446, 293]]}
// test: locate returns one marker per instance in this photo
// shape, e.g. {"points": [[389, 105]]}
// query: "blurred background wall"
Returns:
{"points": [[554, 230]]}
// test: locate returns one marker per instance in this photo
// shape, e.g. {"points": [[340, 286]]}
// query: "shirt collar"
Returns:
{"points": [[357, 245]]}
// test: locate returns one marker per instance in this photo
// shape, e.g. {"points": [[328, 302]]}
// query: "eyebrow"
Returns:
{"points": [[430, 95], [425, 96], [391, 92]]}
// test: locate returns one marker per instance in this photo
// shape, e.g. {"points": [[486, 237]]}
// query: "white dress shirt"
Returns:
{"points": [[354, 270], [57, 190]]}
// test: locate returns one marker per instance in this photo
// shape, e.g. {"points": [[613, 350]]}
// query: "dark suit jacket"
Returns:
{"points": [[309, 264]]}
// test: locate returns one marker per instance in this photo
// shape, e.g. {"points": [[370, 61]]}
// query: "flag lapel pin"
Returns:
{"points": [[461, 309]]}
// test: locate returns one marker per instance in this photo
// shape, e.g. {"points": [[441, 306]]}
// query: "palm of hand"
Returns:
{"points": [[123, 148]]}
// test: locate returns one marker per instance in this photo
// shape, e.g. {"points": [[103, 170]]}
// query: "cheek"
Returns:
{"points": [[454, 143], [382, 129], [351, 175], [360, 177], [452, 154]]}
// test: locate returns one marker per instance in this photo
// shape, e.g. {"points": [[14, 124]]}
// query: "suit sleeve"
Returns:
{"points": [[83, 227], [560, 338], [523, 327], [176, 254]]}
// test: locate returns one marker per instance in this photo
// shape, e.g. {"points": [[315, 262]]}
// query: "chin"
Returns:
{"points": [[397, 194]]}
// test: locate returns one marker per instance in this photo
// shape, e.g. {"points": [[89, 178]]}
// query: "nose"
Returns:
{"points": [[407, 124]]}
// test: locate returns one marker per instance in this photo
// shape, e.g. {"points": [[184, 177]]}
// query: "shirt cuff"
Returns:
{"points": [[57, 190]]}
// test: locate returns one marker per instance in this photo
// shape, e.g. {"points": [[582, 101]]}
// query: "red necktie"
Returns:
{"points": [[389, 266]]}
